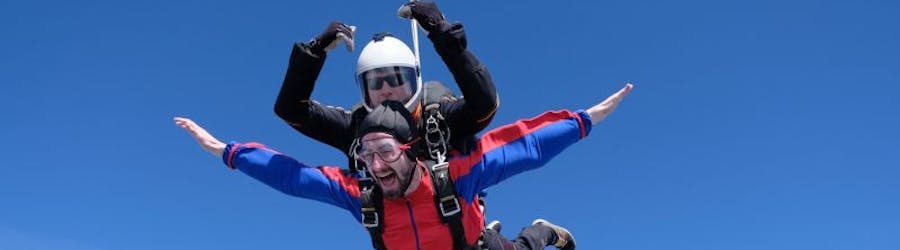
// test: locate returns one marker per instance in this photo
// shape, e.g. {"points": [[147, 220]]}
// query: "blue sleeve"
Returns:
{"points": [[326, 184], [518, 147]]}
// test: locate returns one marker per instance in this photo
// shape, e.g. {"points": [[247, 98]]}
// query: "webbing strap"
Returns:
{"points": [[372, 210], [437, 135], [447, 203]]}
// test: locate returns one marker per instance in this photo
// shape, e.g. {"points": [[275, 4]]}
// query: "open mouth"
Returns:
{"points": [[387, 179]]}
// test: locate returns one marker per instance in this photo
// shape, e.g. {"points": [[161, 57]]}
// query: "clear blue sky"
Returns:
{"points": [[753, 124]]}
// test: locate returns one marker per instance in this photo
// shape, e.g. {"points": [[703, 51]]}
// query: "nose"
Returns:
{"points": [[384, 92], [377, 166]]}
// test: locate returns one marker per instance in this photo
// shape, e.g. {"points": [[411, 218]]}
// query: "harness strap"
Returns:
{"points": [[437, 135], [447, 202], [372, 210]]}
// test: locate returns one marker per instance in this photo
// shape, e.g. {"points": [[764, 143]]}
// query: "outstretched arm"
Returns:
{"points": [[601, 110], [204, 138], [283, 173], [526, 144]]}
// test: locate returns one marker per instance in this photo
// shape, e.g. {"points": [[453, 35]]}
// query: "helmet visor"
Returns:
{"points": [[394, 83]]}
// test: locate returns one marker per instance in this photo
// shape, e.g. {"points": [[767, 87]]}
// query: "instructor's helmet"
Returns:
{"points": [[386, 70]]}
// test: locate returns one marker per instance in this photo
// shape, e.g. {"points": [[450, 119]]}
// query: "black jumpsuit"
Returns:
{"points": [[336, 126]]}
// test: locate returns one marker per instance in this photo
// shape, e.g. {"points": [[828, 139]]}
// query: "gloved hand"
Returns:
{"points": [[426, 13], [331, 36]]}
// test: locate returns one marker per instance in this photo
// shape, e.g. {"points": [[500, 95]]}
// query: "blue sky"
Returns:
{"points": [[753, 124]]}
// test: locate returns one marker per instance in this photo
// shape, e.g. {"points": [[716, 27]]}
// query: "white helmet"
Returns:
{"points": [[386, 59]]}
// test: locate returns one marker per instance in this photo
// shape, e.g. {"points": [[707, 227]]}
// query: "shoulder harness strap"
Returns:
{"points": [[372, 210], [437, 134], [371, 205]]}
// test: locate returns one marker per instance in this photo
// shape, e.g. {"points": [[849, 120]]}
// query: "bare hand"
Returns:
{"points": [[603, 109], [206, 140]]}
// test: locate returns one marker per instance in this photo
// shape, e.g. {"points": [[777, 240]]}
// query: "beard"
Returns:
{"points": [[404, 178]]}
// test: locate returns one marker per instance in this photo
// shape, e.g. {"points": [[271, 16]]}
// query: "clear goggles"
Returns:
{"points": [[388, 150]]}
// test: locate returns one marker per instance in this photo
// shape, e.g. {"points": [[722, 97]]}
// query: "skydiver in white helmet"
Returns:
{"points": [[387, 70]]}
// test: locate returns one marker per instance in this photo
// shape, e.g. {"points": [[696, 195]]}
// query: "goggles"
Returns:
{"points": [[388, 150]]}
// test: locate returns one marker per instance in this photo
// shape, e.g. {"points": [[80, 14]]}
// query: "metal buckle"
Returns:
{"points": [[441, 170], [432, 129], [453, 207], [440, 166], [369, 217]]}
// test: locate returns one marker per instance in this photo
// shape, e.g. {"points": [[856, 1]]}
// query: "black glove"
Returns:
{"points": [[331, 36], [426, 13]]}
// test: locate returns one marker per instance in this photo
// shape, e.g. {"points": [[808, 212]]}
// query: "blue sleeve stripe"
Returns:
{"points": [[285, 174], [515, 148]]}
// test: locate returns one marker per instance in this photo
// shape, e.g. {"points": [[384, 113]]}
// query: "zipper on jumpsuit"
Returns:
{"points": [[413, 220]]}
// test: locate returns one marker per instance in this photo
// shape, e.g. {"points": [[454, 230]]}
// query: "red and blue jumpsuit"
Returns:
{"points": [[412, 222]]}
